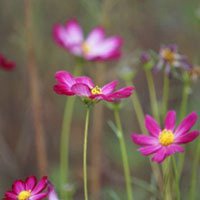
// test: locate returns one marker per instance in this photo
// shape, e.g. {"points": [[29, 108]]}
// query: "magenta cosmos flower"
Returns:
{"points": [[29, 189], [169, 57], [5, 63], [83, 86], [167, 141], [93, 48]]}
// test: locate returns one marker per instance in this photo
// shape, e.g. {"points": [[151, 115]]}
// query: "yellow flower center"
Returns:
{"points": [[166, 137], [85, 48], [96, 90], [24, 195], [168, 55]]}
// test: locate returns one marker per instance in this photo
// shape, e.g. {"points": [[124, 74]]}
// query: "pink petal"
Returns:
{"points": [[95, 36], [147, 150], [63, 89], [187, 137], [10, 196], [187, 123], [173, 148], [39, 196], [18, 186], [65, 77], [81, 90], [108, 88], [144, 140], [85, 80], [40, 186], [30, 182], [119, 94], [52, 193], [170, 120], [152, 126], [159, 156], [107, 49]]}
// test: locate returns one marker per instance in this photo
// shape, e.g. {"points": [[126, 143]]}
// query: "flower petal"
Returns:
{"points": [[18, 186], [152, 126], [173, 148], [81, 90], [186, 124], [187, 137], [159, 156], [147, 150], [10, 196], [51, 192], [63, 89], [85, 80], [65, 77], [144, 140], [106, 50], [95, 36], [170, 120], [39, 196], [40, 186], [108, 88], [30, 182], [119, 94]]}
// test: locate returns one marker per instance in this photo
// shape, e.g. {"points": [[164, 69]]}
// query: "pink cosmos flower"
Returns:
{"points": [[95, 47], [52, 195], [28, 189], [165, 142], [6, 64], [83, 86]]}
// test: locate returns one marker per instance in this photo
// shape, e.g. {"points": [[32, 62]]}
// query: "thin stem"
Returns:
{"points": [[176, 178], [165, 94], [64, 141], [152, 93], [183, 111], [195, 167], [138, 109], [85, 154], [124, 155]]}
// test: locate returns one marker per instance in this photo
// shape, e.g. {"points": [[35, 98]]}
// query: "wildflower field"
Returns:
{"points": [[99, 100]]}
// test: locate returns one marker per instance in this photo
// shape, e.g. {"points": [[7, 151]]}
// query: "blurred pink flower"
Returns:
{"points": [[6, 64], [52, 195], [83, 86], [163, 143], [28, 189], [94, 48]]}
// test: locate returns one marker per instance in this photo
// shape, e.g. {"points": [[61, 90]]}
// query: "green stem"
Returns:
{"points": [[152, 93], [183, 111], [165, 94], [64, 142], [124, 155], [195, 167], [85, 154], [138, 109], [176, 178]]}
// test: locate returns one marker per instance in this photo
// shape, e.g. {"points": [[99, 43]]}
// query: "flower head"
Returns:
{"points": [[95, 47], [29, 189], [84, 87], [6, 64], [169, 57], [167, 141]]}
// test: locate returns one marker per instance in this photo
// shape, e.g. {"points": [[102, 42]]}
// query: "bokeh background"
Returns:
{"points": [[143, 24]]}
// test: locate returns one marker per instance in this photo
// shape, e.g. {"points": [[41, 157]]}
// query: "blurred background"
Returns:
{"points": [[143, 24]]}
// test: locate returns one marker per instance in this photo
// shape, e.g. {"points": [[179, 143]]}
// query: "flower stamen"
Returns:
{"points": [[168, 55], [166, 137], [85, 48], [96, 90], [24, 195]]}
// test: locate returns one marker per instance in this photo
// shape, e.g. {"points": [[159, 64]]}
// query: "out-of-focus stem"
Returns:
{"points": [[85, 153], [64, 141], [195, 166], [177, 193], [35, 92], [138, 109], [124, 155], [165, 94], [152, 93]]}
